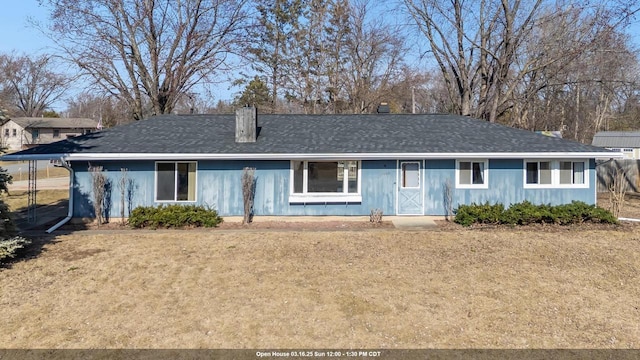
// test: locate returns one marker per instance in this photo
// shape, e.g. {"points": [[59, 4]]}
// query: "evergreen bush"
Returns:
{"points": [[526, 213], [173, 216], [10, 244], [9, 247]]}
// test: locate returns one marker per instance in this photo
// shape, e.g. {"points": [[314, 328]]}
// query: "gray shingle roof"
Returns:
{"points": [[617, 139], [55, 123], [314, 134]]}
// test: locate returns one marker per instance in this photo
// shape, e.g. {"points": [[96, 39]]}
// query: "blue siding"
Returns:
{"points": [[219, 186], [506, 186], [137, 193]]}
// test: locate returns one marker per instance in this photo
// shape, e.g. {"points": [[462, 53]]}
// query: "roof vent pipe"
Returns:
{"points": [[383, 108], [246, 124]]}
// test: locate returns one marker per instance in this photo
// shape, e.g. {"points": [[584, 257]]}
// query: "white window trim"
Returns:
{"points": [[485, 174], [555, 175], [310, 198], [175, 174], [419, 175]]}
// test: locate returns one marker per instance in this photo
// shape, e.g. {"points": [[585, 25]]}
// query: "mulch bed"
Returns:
{"points": [[443, 225], [550, 228], [261, 225]]}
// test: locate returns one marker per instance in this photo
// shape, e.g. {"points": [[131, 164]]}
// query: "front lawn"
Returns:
{"points": [[500, 288]]}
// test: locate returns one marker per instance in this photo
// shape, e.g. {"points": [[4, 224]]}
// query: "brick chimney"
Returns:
{"points": [[246, 124]]}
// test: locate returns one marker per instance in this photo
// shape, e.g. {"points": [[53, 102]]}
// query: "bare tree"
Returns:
{"points": [[336, 37], [3, 113], [105, 108], [617, 187], [30, 84], [148, 52], [98, 186], [486, 50], [375, 52], [305, 73], [123, 183], [581, 94], [248, 193]]}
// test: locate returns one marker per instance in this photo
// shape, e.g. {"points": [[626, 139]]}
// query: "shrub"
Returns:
{"points": [[479, 213], [9, 243], [9, 247], [173, 216], [601, 215], [375, 216], [526, 213]]}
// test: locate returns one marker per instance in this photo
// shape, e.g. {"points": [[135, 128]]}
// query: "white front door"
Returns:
{"points": [[410, 197]]}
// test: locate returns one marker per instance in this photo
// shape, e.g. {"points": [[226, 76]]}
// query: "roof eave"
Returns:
{"points": [[11, 157], [318, 156]]}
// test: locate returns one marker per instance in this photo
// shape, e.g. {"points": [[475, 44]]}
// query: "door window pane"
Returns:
{"points": [[410, 175]]}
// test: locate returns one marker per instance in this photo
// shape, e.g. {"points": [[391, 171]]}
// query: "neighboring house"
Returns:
{"points": [[627, 142], [25, 132], [325, 164]]}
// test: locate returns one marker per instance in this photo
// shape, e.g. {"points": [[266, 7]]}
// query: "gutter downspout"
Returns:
{"points": [[70, 213]]}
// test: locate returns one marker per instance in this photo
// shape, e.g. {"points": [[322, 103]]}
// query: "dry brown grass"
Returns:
{"points": [[42, 173], [18, 199], [366, 289]]}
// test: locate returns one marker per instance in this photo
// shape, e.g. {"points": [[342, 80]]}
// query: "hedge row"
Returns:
{"points": [[173, 216], [526, 213]]}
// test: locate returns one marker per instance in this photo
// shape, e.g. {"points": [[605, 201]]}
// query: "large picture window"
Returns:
{"points": [[472, 174], [562, 173], [325, 181], [175, 181]]}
